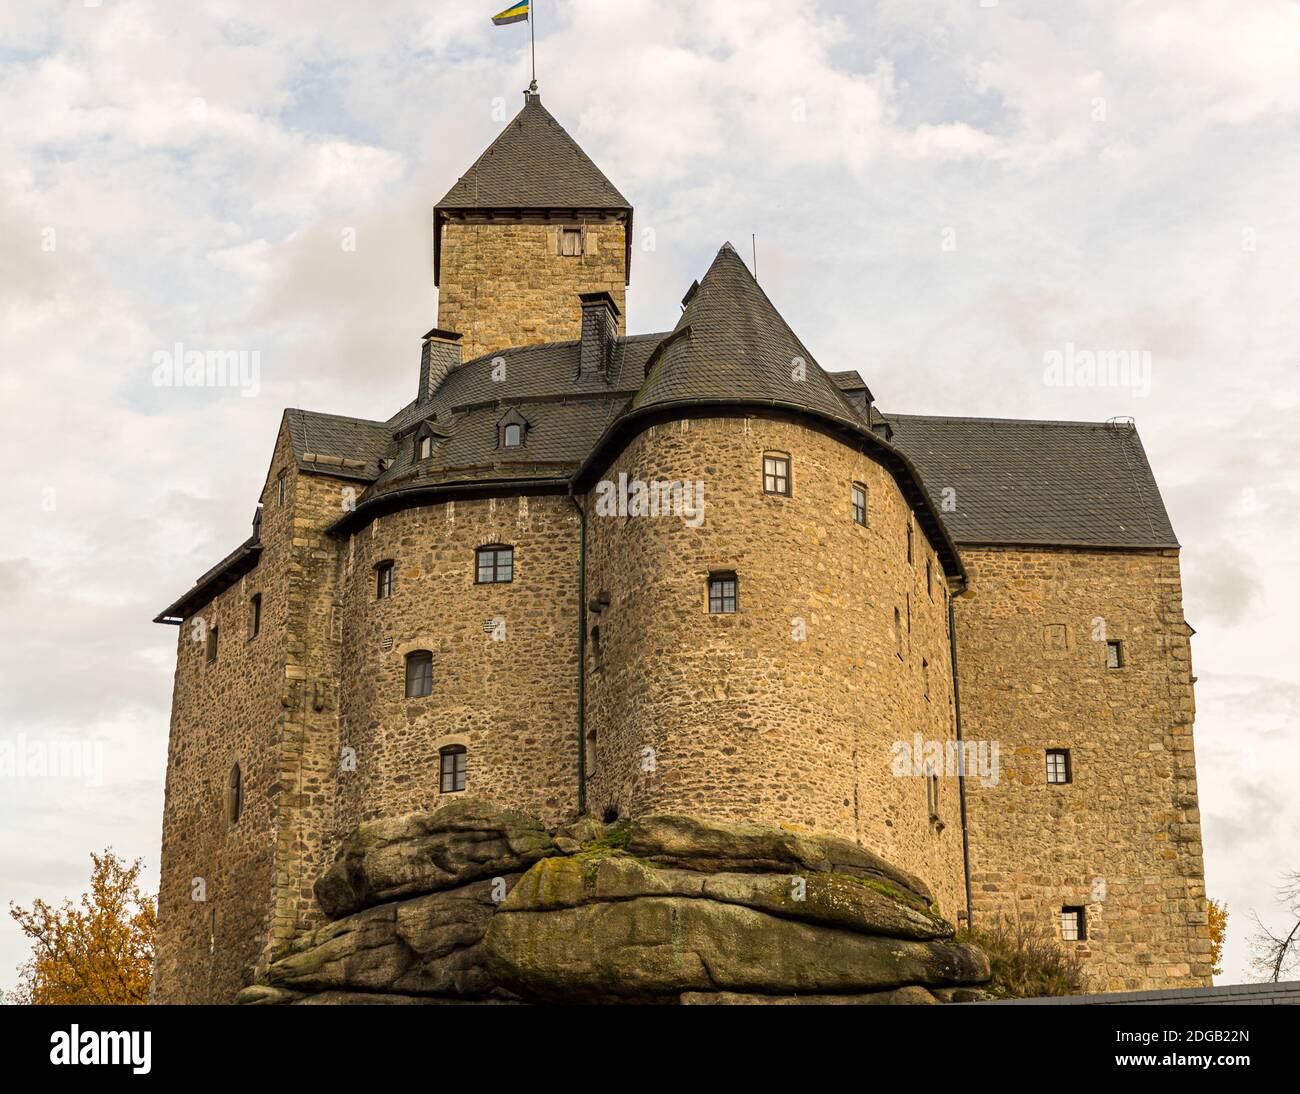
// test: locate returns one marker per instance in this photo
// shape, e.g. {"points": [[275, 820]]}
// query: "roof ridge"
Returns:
{"points": [[890, 416]]}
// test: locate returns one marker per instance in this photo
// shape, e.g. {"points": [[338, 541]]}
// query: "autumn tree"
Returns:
{"points": [[98, 950], [1278, 954], [1218, 911]]}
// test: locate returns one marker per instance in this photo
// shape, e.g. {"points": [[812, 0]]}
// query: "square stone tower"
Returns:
{"points": [[528, 227]]}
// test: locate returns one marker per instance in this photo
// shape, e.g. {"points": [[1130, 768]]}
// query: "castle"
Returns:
{"points": [[584, 571]]}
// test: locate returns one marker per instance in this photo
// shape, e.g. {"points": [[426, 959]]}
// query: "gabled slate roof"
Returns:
{"points": [[1084, 484], [533, 164], [356, 443]]}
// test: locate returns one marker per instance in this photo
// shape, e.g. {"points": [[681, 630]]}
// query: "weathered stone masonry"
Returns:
{"points": [[1122, 839]]}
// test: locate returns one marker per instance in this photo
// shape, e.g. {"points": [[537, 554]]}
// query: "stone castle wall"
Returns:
{"points": [[268, 703], [505, 660], [1123, 838], [507, 284], [786, 712], [224, 712]]}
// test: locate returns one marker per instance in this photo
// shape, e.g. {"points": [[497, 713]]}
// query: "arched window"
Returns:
{"points": [[234, 795], [451, 768], [512, 436], [419, 674]]}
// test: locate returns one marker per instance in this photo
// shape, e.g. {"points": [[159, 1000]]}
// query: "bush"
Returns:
{"points": [[1026, 961]]}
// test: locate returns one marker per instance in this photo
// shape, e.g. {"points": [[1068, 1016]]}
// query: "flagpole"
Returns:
{"points": [[532, 38]]}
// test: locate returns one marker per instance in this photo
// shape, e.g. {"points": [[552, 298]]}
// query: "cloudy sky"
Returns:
{"points": [[942, 193]]}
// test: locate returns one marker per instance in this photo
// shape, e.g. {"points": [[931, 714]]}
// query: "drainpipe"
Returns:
{"points": [[582, 654], [961, 769]]}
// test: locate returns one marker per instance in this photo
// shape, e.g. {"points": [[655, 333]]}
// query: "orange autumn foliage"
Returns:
{"points": [[97, 951]]}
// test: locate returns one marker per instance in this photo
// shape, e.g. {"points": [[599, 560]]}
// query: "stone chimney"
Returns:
{"points": [[441, 354], [599, 333]]}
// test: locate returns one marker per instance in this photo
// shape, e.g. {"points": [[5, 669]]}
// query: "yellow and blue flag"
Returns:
{"points": [[515, 13]]}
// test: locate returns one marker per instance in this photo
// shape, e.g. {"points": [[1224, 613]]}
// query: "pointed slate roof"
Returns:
{"points": [[732, 344], [534, 164]]}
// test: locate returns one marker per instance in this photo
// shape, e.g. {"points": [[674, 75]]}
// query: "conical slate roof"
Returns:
{"points": [[732, 344], [534, 164]]}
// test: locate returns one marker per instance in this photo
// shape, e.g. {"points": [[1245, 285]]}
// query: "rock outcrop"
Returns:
{"points": [[474, 904]]}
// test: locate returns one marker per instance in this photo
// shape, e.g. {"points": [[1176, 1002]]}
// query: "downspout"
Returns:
{"points": [[961, 766], [582, 654]]}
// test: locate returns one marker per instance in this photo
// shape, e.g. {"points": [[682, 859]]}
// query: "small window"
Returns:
{"points": [[451, 769], [419, 674], [512, 436], [909, 539], [859, 504], [1073, 926], [1114, 655], [1058, 766], [212, 643], [495, 565], [281, 485], [722, 594], [776, 475], [571, 242], [383, 581], [424, 447], [932, 791], [234, 795], [255, 616]]}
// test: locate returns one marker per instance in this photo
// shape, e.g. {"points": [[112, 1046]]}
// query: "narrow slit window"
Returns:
{"points": [[234, 795], [419, 674], [384, 580], [452, 763], [213, 637], [255, 615], [909, 539]]}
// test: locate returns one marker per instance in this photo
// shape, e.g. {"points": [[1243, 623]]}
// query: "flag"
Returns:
{"points": [[515, 13]]}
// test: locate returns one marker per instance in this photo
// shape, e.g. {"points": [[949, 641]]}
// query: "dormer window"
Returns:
{"points": [[512, 429], [423, 447]]}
